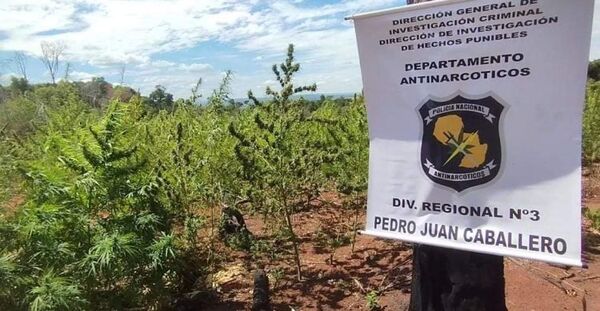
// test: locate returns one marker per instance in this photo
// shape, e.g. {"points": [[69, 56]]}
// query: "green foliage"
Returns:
{"points": [[123, 94], [350, 138], [4, 94], [19, 116], [96, 213], [95, 92], [277, 168], [163, 252], [594, 70], [241, 241], [116, 201], [111, 254], [594, 216], [277, 274], [10, 280], [331, 238], [591, 124], [159, 99], [372, 299], [261, 248], [18, 86], [52, 292]]}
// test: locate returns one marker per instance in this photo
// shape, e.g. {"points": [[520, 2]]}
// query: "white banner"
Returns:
{"points": [[475, 112]]}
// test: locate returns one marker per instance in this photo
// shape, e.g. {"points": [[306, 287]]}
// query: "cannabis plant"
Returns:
{"points": [[275, 160]]}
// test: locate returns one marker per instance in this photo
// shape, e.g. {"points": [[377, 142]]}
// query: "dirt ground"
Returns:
{"points": [[383, 268]]}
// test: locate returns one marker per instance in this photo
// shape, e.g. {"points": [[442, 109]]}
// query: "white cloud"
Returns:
{"points": [[178, 78], [195, 67], [109, 33], [81, 76], [163, 64], [106, 34], [326, 44]]}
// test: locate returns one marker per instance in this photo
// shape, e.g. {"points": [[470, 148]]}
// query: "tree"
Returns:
{"points": [[594, 70], [51, 56], [18, 86], [122, 74], [123, 93], [67, 72], [96, 91], [159, 99], [20, 64]]}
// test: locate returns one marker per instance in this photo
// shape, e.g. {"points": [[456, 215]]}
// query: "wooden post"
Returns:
{"points": [[446, 279]]}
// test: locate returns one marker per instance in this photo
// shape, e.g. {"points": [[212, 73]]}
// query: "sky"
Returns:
{"points": [[174, 42]]}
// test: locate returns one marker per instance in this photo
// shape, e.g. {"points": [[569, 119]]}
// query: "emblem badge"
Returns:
{"points": [[461, 145]]}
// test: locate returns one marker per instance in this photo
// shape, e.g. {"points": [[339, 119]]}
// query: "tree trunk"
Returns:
{"points": [[294, 237], [446, 279]]}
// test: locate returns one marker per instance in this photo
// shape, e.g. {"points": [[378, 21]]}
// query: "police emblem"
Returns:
{"points": [[461, 146]]}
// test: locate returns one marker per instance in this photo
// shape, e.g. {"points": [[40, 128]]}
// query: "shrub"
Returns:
{"points": [[591, 125]]}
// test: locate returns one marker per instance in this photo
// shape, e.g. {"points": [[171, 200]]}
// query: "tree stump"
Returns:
{"points": [[446, 279], [260, 297]]}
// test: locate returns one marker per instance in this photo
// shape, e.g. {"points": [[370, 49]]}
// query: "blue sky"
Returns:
{"points": [[175, 42]]}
